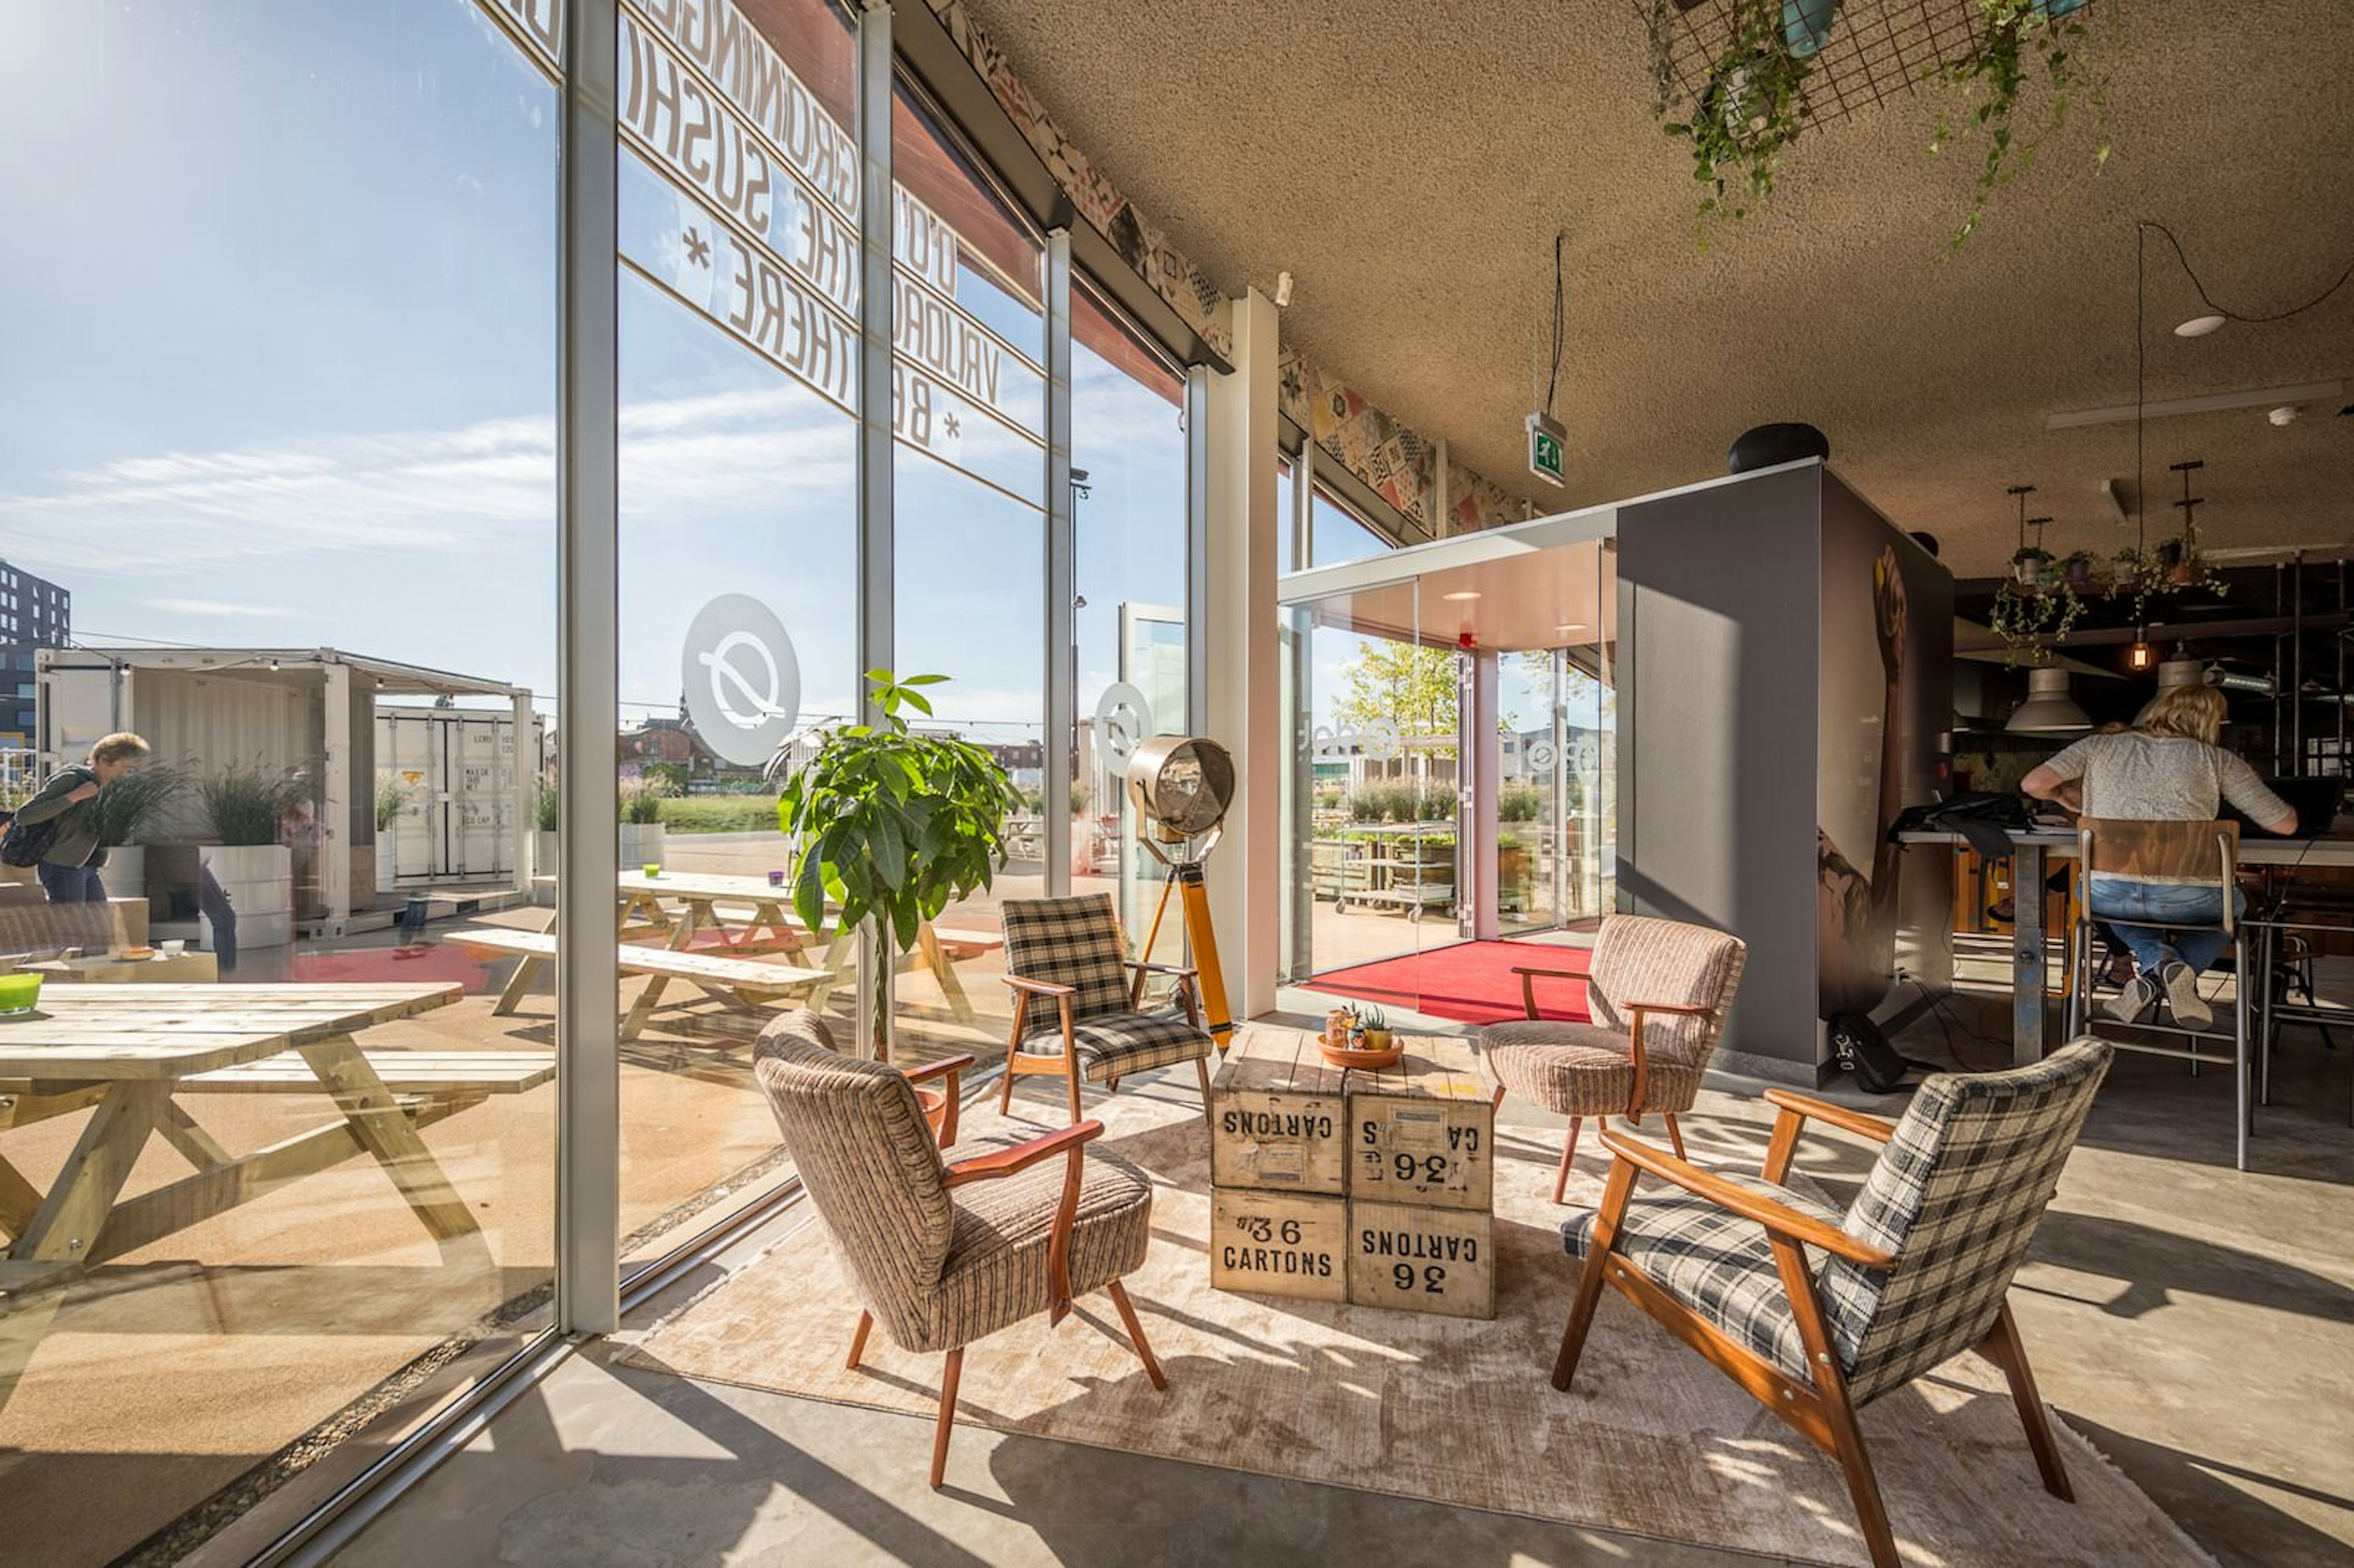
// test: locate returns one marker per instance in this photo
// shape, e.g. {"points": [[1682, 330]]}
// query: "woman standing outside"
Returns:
{"points": [[2167, 769], [69, 871]]}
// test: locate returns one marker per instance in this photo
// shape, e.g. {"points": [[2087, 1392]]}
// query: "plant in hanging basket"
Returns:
{"points": [[2027, 563], [1754, 107], [2018, 37], [2029, 619], [2084, 570]]}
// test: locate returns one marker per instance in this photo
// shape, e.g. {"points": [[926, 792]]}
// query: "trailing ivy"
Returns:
{"points": [[2019, 35], [1754, 107]]}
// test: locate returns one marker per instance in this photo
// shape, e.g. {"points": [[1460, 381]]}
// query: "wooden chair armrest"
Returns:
{"points": [[1070, 1141], [1778, 1218], [1185, 978], [1880, 1129], [1679, 1008], [1038, 987], [1180, 970], [1022, 1156], [948, 1064], [952, 1069], [1529, 978]]}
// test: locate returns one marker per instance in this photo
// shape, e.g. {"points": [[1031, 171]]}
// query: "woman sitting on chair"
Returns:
{"points": [[2167, 769]]}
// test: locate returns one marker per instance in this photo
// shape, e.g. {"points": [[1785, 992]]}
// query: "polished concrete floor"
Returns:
{"points": [[2196, 1323]]}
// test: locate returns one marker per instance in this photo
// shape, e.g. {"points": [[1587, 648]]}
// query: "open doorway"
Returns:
{"points": [[1450, 797]]}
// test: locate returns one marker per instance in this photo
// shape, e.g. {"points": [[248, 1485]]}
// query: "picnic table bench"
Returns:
{"points": [[742, 983], [747, 914], [126, 1053]]}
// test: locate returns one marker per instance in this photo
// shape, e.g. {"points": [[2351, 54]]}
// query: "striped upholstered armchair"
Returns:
{"points": [[1078, 1001], [1917, 1270], [945, 1255], [1656, 996]]}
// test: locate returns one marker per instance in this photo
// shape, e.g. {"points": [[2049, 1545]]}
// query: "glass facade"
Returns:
{"points": [[291, 451], [336, 425]]}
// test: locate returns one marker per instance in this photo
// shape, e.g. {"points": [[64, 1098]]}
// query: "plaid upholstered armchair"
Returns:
{"points": [[945, 1255], [1077, 1011], [1657, 994], [1916, 1271]]}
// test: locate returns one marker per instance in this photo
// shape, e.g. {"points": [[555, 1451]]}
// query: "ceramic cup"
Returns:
{"points": [[775, 879], [176, 947], [652, 868]]}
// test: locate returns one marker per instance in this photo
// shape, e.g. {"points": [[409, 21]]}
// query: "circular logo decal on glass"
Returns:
{"points": [[1123, 723], [743, 684]]}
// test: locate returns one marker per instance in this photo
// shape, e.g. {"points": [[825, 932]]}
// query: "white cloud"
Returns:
{"points": [[220, 607], [455, 492]]}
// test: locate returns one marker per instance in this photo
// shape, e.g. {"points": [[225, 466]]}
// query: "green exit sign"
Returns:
{"points": [[1545, 437]]}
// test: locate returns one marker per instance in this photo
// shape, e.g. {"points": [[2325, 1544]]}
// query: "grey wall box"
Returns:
{"points": [[1774, 633]]}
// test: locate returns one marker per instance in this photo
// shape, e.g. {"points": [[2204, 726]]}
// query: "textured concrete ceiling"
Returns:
{"points": [[1409, 164]]}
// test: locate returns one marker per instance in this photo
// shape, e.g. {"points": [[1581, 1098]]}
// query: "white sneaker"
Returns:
{"points": [[2135, 1002], [2182, 998]]}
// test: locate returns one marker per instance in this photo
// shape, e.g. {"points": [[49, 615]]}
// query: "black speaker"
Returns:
{"points": [[1763, 446]]}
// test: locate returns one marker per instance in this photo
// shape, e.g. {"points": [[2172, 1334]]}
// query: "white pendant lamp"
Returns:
{"points": [[2047, 710]]}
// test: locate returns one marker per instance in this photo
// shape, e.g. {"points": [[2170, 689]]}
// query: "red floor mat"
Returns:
{"points": [[411, 966], [1471, 982]]}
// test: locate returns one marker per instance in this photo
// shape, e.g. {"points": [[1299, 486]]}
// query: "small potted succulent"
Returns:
{"points": [[1373, 1026]]}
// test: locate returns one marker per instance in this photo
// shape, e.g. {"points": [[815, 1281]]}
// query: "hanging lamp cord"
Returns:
{"points": [[2145, 225]]}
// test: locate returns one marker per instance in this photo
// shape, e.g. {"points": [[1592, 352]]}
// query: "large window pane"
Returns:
{"points": [[289, 452], [1128, 437], [739, 275], [969, 513]]}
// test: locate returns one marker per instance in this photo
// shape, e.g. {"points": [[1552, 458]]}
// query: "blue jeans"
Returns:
{"points": [[71, 884], [2163, 903]]}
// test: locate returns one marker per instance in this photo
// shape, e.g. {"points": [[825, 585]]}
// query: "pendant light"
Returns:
{"points": [[2141, 658], [2049, 709]]}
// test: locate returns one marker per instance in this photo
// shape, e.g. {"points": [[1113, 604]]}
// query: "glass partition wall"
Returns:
{"points": [[331, 603], [1453, 722]]}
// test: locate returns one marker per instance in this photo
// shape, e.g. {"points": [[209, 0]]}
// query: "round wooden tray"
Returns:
{"points": [[1342, 1056]]}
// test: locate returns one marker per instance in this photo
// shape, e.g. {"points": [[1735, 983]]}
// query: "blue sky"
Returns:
{"points": [[280, 362]]}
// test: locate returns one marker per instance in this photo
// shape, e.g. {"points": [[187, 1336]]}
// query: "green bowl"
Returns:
{"points": [[19, 994]]}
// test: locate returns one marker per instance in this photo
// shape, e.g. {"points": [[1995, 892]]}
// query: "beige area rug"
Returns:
{"points": [[1651, 1439]]}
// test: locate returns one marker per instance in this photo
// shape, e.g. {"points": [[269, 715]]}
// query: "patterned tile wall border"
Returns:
{"points": [[1398, 463]]}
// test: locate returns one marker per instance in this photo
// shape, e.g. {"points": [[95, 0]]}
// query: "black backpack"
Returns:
{"points": [[1863, 1050], [26, 844]]}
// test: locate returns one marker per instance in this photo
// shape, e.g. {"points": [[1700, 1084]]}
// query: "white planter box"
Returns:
{"points": [[641, 844], [259, 882], [384, 860], [125, 873], [543, 863]]}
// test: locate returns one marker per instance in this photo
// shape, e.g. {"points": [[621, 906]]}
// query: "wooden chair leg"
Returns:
{"points": [[1568, 1152], [1202, 1071], [1863, 1487], [858, 1339], [948, 1376], [1589, 1280], [1005, 1090], [1071, 1077], [1497, 1103], [2003, 1348], [1675, 1134], [1136, 1333]]}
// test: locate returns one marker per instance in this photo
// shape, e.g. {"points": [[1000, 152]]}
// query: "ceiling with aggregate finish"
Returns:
{"points": [[1410, 163]]}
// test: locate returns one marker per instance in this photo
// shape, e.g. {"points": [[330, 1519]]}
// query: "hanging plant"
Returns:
{"points": [[1754, 107], [2027, 563], [2029, 619], [2084, 571], [2020, 35]]}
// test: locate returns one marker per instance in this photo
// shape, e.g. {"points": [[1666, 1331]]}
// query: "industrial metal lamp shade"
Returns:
{"points": [[1182, 784], [2048, 709]]}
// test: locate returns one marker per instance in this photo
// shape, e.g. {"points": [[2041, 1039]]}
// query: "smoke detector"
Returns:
{"points": [[2286, 414]]}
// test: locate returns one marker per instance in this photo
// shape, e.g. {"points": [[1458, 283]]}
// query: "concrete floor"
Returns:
{"points": [[2196, 1323]]}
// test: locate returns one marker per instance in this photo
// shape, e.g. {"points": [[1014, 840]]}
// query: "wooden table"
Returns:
{"points": [[1375, 1187], [127, 1052], [164, 969]]}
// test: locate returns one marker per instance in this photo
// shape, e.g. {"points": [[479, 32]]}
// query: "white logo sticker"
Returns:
{"points": [[742, 682]]}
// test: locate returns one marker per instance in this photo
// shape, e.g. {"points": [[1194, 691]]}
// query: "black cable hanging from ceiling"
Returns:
{"points": [[2144, 225]]}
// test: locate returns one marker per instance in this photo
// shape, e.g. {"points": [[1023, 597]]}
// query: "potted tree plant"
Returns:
{"points": [[543, 849], [391, 795], [885, 827]]}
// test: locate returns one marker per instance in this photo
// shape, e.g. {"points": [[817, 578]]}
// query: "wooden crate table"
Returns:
{"points": [[1372, 1187]]}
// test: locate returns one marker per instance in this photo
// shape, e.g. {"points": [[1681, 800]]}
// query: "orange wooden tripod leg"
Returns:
{"points": [[1206, 958]]}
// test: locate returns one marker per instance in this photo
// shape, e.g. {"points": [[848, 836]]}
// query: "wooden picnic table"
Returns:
{"points": [[760, 920], [128, 1053]]}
